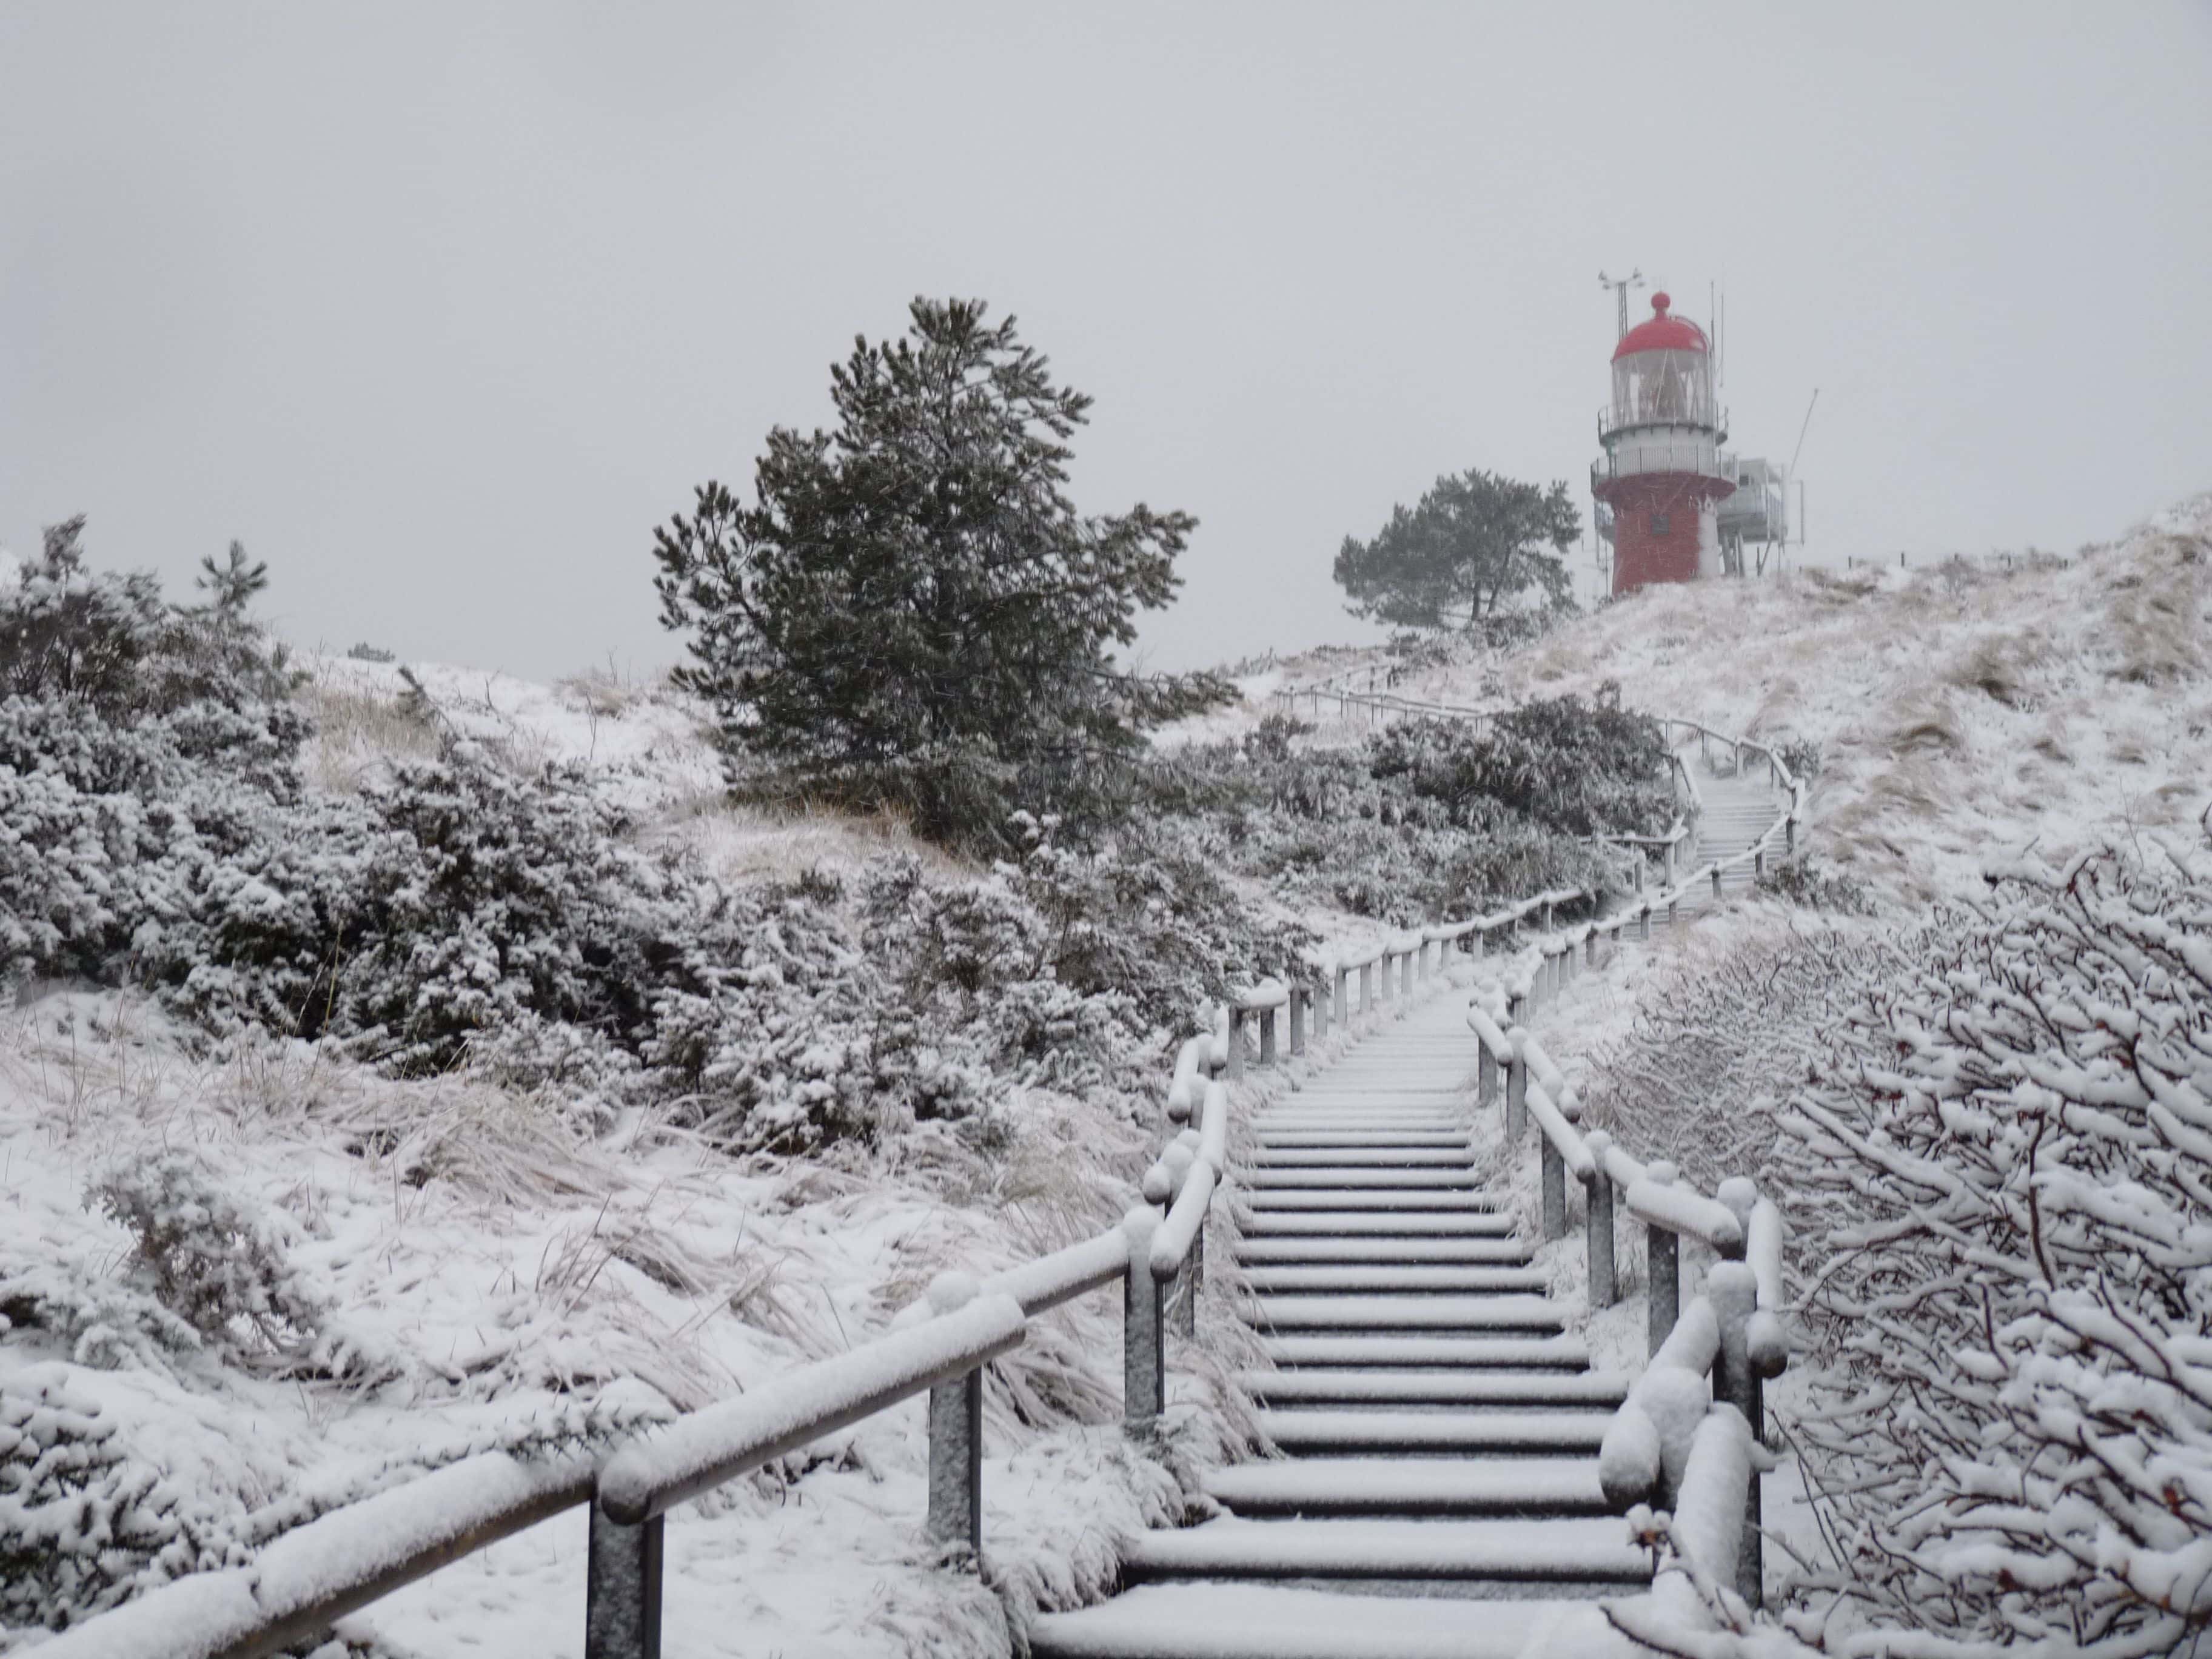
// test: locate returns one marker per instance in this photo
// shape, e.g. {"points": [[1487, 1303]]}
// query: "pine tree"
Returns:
{"points": [[1476, 540], [913, 614]]}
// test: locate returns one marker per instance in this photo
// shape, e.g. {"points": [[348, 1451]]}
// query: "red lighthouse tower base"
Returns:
{"points": [[1664, 527]]}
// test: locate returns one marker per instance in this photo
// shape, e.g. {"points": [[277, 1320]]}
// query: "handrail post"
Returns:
{"points": [[1516, 1095], [1670, 915], [1266, 1036], [1789, 831], [1342, 995], [1644, 925], [1143, 1365], [1555, 1174], [1299, 997], [1604, 1280], [1589, 949], [1733, 1293], [622, 1589], [1236, 1043], [1366, 988], [1716, 881], [1758, 863], [955, 1442], [1485, 1075], [1180, 1311], [1662, 1255]]}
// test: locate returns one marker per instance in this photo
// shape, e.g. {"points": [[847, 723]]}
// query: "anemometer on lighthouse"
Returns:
{"points": [[1671, 502]]}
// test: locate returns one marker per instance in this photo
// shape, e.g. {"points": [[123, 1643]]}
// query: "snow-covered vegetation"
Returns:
{"points": [[408, 1060]]}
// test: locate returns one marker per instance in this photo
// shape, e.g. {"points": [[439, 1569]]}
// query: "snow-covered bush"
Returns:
{"points": [[1425, 818], [1804, 883], [82, 1524], [1735, 1022], [2003, 1188], [1584, 768], [221, 1265]]}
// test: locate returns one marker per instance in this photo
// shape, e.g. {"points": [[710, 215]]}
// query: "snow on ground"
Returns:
{"points": [[504, 1268], [498, 1266]]}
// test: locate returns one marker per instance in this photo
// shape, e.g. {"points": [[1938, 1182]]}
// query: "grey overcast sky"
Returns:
{"points": [[442, 307]]}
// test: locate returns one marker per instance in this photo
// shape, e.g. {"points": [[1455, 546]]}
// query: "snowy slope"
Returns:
{"points": [[1963, 713]]}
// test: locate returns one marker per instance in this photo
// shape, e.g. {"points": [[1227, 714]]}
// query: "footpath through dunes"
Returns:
{"points": [[1738, 808], [1437, 1491]]}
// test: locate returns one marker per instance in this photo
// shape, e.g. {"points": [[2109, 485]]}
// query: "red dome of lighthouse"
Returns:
{"points": [[1662, 332]]}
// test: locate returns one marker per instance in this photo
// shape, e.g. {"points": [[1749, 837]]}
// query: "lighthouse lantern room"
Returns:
{"points": [[1664, 478]]}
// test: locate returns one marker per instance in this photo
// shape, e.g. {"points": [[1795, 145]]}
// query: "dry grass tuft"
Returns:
{"points": [[2156, 614], [742, 842], [1928, 725], [2002, 667], [358, 733]]}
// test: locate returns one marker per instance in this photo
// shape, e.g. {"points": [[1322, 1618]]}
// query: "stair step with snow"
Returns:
{"points": [[1326, 1429], [1455, 1136], [1464, 1221], [1369, 1350], [1502, 1311], [1410, 1485], [1429, 1200], [1529, 1552], [1344, 1178], [1396, 1155], [1266, 1621], [1588, 1390], [1395, 1278], [1321, 1250]]}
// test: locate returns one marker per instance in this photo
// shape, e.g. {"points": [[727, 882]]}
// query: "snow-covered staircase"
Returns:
{"points": [[1438, 1490], [1738, 811]]}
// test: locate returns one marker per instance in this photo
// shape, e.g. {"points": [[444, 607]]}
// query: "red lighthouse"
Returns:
{"points": [[1663, 479]]}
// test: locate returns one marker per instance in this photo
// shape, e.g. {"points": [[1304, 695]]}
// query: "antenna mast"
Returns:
{"points": [[1621, 286]]}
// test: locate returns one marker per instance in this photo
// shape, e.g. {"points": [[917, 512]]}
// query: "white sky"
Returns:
{"points": [[441, 308]]}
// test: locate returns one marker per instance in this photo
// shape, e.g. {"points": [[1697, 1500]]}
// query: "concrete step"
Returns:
{"points": [[1502, 1310], [1402, 1278], [1321, 1250], [1272, 1139], [1443, 1200], [1331, 1430], [1473, 1218], [1266, 1621], [1348, 1177], [1369, 1352], [1495, 1552], [1535, 1486], [1451, 1157], [1599, 1391]]}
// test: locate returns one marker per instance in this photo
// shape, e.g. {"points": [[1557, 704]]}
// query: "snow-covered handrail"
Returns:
{"points": [[315, 1575], [719, 1443]]}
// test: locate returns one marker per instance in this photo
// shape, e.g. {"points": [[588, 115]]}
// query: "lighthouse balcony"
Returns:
{"points": [[1615, 424], [1684, 451]]}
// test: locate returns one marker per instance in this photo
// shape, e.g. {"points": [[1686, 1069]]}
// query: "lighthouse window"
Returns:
{"points": [[1658, 524]]}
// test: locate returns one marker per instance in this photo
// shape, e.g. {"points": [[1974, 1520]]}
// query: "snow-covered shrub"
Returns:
{"points": [[1584, 768], [82, 1524], [1803, 756], [1407, 827], [2002, 1186], [1802, 882], [1729, 1026], [216, 1262]]}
